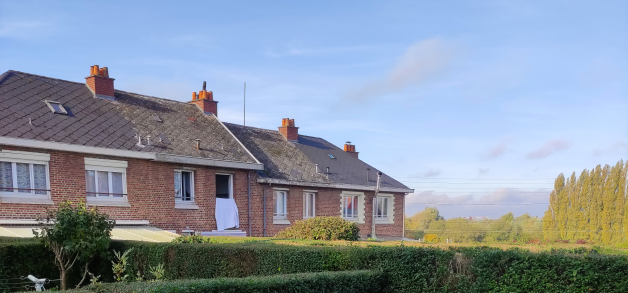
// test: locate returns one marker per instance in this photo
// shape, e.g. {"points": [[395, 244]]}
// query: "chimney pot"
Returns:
{"points": [[350, 149], [99, 81], [288, 130], [205, 101], [198, 144]]}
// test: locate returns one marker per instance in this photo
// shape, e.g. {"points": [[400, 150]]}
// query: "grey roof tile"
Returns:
{"points": [[109, 124], [297, 161]]}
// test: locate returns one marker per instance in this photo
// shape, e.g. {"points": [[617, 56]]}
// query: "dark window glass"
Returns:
{"points": [[222, 186], [187, 185]]}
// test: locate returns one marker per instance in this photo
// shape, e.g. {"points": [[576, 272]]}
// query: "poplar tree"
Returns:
{"points": [[572, 208], [584, 201], [596, 203]]}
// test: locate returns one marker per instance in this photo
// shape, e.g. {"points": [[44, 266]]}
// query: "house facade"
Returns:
{"points": [[174, 165]]}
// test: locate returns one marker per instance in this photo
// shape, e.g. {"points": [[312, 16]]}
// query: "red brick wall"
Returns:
{"points": [[328, 204], [150, 188], [101, 85]]}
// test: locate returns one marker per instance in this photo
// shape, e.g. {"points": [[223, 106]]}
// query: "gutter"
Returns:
{"points": [[334, 185], [60, 146]]}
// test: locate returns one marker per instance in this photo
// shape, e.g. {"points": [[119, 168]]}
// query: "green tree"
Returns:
{"points": [[423, 219], [74, 233]]}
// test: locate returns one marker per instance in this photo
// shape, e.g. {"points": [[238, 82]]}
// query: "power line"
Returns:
{"points": [[467, 183], [479, 188], [434, 191], [514, 179], [478, 204]]}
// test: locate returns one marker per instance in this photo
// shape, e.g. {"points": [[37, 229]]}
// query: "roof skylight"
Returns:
{"points": [[331, 156], [56, 107]]}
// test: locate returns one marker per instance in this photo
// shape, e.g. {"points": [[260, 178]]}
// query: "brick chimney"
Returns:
{"points": [[99, 82], [350, 149], [288, 130], [205, 101]]}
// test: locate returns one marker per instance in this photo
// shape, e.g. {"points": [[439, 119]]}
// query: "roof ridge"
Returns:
{"points": [[75, 82], [264, 129], [37, 75]]}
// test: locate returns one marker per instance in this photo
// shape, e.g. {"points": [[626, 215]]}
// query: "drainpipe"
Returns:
{"points": [[379, 181], [264, 208], [403, 214], [248, 183]]}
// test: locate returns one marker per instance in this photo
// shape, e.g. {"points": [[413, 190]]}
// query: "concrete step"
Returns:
{"points": [[237, 233]]}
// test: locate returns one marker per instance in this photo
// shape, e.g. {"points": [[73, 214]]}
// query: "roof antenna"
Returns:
{"points": [[244, 104], [204, 86]]}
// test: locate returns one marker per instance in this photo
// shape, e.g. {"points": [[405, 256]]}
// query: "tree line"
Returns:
{"points": [[507, 228], [590, 207]]}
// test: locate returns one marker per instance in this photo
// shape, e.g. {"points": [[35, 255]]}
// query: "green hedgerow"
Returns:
{"points": [[322, 228]]}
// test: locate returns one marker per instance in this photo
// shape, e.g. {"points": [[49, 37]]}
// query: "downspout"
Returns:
{"points": [[264, 208], [403, 216], [248, 183], [379, 181]]}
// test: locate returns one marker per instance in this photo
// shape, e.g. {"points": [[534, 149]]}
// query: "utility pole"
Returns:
{"points": [[245, 103], [379, 181]]}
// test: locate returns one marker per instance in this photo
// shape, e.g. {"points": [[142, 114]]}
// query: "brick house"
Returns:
{"points": [[151, 162]]}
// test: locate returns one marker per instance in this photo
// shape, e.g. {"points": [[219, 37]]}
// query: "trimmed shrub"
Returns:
{"points": [[191, 239], [322, 228], [351, 281]]}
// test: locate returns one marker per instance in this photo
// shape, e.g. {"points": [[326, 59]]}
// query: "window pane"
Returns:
{"points": [[279, 198], [177, 185], [186, 182], [379, 207], [90, 182], [349, 204], [222, 186], [39, 178], [6, 176], [310, 204], [23, 177], [385, 210], [116, 184], [103, 183]]}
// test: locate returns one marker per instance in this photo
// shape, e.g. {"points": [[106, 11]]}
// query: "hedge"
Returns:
{"points": [[350, 281], [322, 228], [408, 269]]}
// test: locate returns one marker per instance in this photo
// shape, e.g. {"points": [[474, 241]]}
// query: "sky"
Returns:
{"points": [[477, 105]]}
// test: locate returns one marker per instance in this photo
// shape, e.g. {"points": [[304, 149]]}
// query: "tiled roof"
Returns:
{"points": [[296, 162], [111, 124]]}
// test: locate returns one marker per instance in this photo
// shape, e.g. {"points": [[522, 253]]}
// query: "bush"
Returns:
{"points": [[431, 238], [407, 269], [351, 281], [414, 234], [322, 228], [191, 239]]}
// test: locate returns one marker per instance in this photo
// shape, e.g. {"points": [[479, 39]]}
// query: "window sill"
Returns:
{"points": [[185, 206], [26, 200], [355, 220], [281, 222], [108, 203], [384, 221]]}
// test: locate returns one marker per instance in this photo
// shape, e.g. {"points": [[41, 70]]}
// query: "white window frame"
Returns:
{"points": [[109, 166], [230, 182], [280, 218], [306, 203], [390, 217], [179, 203], [30, 158], [359, 209]]}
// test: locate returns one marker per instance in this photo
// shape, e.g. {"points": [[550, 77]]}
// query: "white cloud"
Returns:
{"points": [[431, 173], [420, 63], [496, 151], [620, 148], [549, 148]]}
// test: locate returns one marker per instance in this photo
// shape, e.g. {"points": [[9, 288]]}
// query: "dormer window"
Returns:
{"points": [[56, 107]]}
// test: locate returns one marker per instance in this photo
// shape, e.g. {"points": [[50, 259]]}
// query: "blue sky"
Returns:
{"points": [[465, 101]]}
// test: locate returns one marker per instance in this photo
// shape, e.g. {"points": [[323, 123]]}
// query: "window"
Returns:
{"points": [[184, 186], [224, 186], [24, 176], [280, 214], [56, 107], [309, 200], [352, 206], [349, 207], [384, 209], [105, 181]]}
